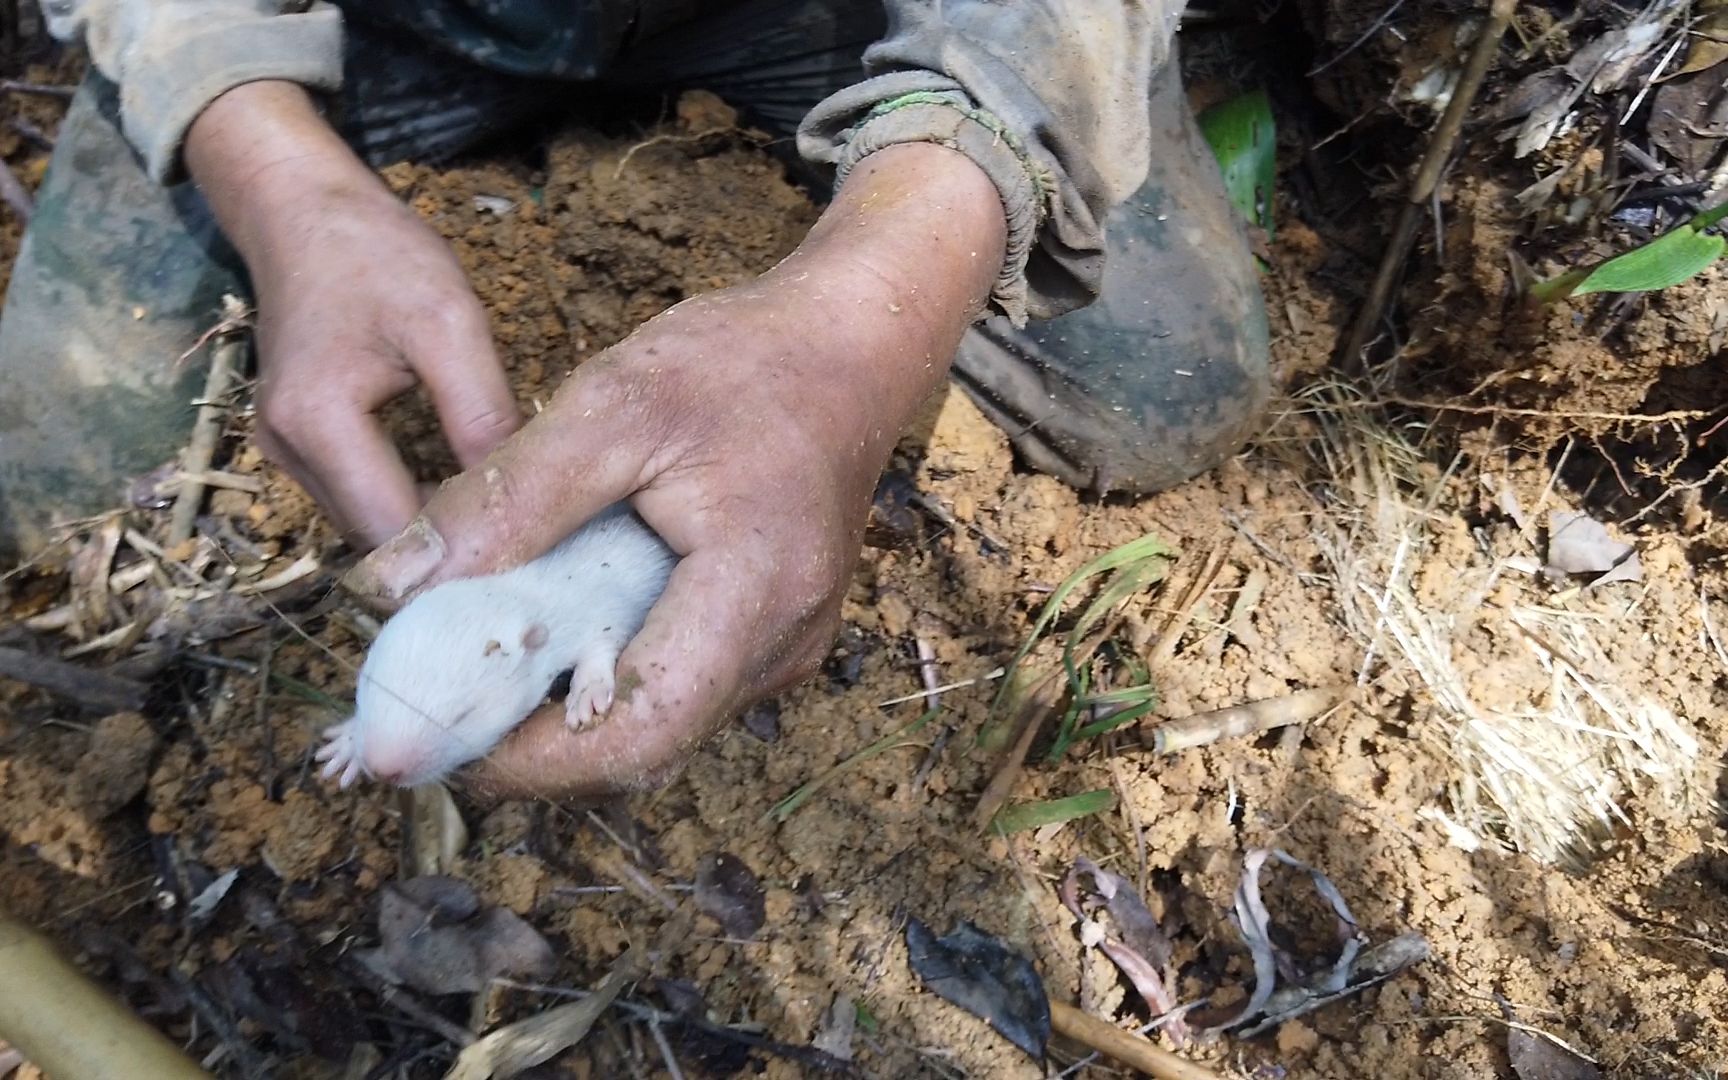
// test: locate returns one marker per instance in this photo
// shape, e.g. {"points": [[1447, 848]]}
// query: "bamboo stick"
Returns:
{"points": [[69, 1027]]}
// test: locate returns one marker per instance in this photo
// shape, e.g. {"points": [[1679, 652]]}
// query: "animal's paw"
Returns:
{"points": [[341, 755], [590, 694]]}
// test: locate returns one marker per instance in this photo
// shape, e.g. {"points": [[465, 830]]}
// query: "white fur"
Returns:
{"points": [[465, 662]]}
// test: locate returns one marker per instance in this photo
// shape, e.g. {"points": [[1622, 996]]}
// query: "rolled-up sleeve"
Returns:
{"points": [[1048, 97], [171, 58]]}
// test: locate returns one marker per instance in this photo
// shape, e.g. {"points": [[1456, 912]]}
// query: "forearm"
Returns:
{"points": [[921, 230], [261, 150]]}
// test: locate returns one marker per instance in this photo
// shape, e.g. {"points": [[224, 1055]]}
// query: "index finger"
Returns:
{"points": [[357, 472], [564, 466]]}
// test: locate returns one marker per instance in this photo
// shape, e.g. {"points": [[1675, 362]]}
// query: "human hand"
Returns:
{"points": [[358, 301], [748, 428]]}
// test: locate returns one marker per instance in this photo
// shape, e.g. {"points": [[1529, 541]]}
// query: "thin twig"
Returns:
{"points": [[206, 433], [666, 1054], [92, 689], [13, 194], [1427, 178], [405, 1003], [15, 86]]}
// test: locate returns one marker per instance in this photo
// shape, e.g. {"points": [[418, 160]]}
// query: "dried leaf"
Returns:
{"points": [[980, 974], [434, 940], [514, 1048], [1141, 951], [727, 892], [1254, 923], [434, 833], [1537, 1058], [838, 1026], [1688, 118], [1579, 544], [204, 904], [1709, 37]]}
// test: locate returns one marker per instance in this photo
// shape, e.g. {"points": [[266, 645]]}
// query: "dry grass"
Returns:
{"points": [[1548, 736]]}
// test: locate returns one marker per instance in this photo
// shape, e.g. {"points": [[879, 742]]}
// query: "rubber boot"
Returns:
{"points": [[116, 279], [1168, 372]]}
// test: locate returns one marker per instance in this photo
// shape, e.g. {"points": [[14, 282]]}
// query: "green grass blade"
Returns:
{"points": [[1013, 819], [1145, 547], [788, 806], [309, 693], [1244, 139], [1667, 260]]}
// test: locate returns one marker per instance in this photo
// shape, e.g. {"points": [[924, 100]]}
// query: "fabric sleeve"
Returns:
{"points": [[1048, 97], [171, 58]]}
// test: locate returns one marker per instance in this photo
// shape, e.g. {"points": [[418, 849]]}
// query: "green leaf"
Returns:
{"points": [[1244, 139], [1013, 819], [1667, 260], [1664, 261]]}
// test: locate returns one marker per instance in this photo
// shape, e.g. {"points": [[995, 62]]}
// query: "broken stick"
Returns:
{"points": [[1125, 1046], [206, 432], [1427, 180], [95, 690], [1251, 718]]}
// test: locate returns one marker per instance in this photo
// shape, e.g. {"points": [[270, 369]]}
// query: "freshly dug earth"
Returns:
{"points": [[1621, 958]]}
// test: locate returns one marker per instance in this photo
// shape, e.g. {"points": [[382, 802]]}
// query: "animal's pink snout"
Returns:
{"points": [[394, 764]]}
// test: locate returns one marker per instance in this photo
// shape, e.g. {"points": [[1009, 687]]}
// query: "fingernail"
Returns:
{"points": [[400, 565]]}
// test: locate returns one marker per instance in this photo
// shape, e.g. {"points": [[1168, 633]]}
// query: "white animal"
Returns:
{"points": [[463, 663]]}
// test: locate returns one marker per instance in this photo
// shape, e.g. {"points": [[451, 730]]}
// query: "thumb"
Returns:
{"points": [[515, 505]]}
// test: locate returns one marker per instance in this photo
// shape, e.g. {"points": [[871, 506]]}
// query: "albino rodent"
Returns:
{"points": [[466, 661]]}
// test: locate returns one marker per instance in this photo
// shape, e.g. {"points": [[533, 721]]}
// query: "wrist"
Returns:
{"points": [[908, 252], [926, 220], [261, 154]]}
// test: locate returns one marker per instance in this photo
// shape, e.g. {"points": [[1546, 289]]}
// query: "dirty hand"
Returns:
{"points": [[358, 301], [748, 428]]}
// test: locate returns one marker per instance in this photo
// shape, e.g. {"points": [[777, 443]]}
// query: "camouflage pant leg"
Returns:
{"points": [[115, 279]]}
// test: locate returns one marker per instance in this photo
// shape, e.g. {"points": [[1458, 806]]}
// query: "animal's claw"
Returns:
{"points": [[340, 755], [591, 688]]}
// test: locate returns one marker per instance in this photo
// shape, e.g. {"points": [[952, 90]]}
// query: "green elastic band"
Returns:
{"points": [[978, 116]]}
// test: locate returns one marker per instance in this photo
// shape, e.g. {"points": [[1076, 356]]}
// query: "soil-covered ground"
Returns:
{"points": [[1604, 928]]}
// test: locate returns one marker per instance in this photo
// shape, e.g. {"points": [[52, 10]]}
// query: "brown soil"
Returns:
{"points": [[1622, 958]]}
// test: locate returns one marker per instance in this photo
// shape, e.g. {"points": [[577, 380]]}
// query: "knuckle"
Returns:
{"points": [[287, 414]]}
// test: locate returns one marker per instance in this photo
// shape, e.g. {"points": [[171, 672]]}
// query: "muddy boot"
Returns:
{"points": [[116, 279], [1167, 373]]}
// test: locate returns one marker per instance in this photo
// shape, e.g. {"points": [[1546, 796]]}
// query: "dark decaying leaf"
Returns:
{"points": [[763, 721], [980, 974], [282, 998], [1139, 948], [1688, 117], [435, 939], [894, 518], [727, 892], [1536, 1058]]}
